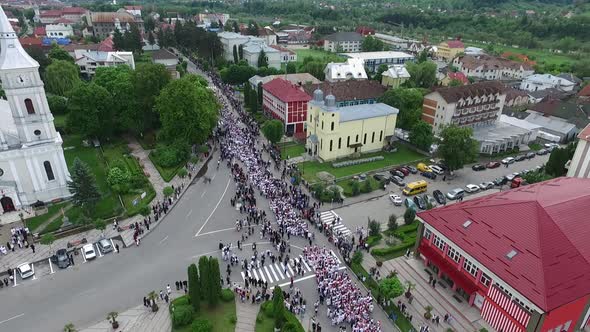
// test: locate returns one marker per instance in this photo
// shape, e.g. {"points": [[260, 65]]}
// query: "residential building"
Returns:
{"points": [[474, 51], [59, 30], [286, 55], [88, 61], [349, 93], [568, 110], [208, 18], [50, 16], [395, 43], [32, 163], [553, 128], [294, 36], [395, 76], [546, 81], [487, 67], [104, 23], [299, 79], [448, 50], [252, 50], [520, 256], [30, 42], [39, 32], [454, 76], [339, 132], [515, 98], [478, 106], [373, 60], [344, 71], [229, 40], [343, 42], [73, 14], [168, 59], [268, 35], [579, 167], [286, 102], [134, 10]]}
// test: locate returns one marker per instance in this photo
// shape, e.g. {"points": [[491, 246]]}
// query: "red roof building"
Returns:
{"points": [[459, 76], [286, 102], [29, 42], [39, 32], [455, 44], [365, 31], [521, 256]]}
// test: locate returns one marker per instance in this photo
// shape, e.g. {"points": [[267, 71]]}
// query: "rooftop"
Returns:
{"points": [[352, 68], [109, 17], [455, 44], [550, 122], [378, 55], [163, 54], [344, 36], [349, 90], [396, 71], [545, 223], [498, 132], [365, 111], [489, 62], [456, 93], [585, 134], [297, 79], [548, 79], [285, 90]]}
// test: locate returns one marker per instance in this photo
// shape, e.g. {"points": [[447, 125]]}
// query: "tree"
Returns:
{"points": [[188, 110], [57, 104], [151, 39], [167, 191], [422, 75], [291, 68], [91, 111], [247, 94], [556, 164], [235, 27], [148, 80], [205, 277], [61, 77], [278, 306], [273, 130], [133, 40], [409, 216], [118, 40], [241, 52], [83, 186], [194, 286], [536, 176], [457, 147], [39, 55], [390, 288], [372, 44], [253, 28], [455, 82], [215, 282], [112, 317], [58, 53], [237, 73], [262, 59], [100, 225], [379, 73], [235, 51], [373, 226], [408, 101], [149, 24], [392, 222], [422, 56], [119, 82], [70, 328], [48, 239], [421, 135]]}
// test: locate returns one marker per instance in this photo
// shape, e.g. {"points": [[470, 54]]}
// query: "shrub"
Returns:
{"points": [[227, 295], [357, 257], [356, 161], [355, 187], [289, 327], [409, 216], [118, 176], [373, 240], [138, 181], [168, 191], [407, 234], [182, 315], [183, 300], [203, 149], [182, 172], [145, 210], [366, 187], [233, 319], [392, 222], [267, 309], [374, 227], [169, 155], [201, 325]]}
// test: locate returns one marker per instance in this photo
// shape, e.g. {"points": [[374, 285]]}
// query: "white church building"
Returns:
{"points": [[32, 163]]}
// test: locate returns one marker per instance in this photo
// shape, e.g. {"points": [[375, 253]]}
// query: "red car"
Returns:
{"points": [[404, 170], [493, 164]]}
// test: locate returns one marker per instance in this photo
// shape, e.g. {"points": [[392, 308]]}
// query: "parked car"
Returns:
{"points": [[423, 168], [397, 173], [88, 251], [542, 152], [530, 155], [516, 182], [508, 160], [436, 169], [429, 199], [511, 176], [493, 164], [61, 258], [520, 157], [500, 181], [409, 203], [420, 202], [404, 170], [440, 197], [478, 167], [397, 180], [396, 200], [25, 270], [412, 169], [456, 193], [486, 185], [429, 175], [105, 246], [381, 177], [472, 188]]}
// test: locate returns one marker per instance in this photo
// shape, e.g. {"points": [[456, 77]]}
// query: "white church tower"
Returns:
{"points": [[32, 164]]}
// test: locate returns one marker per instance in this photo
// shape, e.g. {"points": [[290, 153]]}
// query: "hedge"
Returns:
{"points": [[290, 319], [356, 161], [201, 325], [374, 239], [182, 315], [407, 234], [227, 295]]}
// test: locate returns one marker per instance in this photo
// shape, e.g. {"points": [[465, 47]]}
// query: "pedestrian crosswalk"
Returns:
{"points": [[328, 217], [276, 272]]}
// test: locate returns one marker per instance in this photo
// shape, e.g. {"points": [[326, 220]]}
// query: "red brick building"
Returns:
{"points": [[521, 256], [287, 102]]}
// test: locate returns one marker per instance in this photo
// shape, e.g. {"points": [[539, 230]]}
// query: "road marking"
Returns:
{"points": [[268, 273], [82, 251], [203, 194], [14, 278], [290, 269], [273, 272], [218, 231], [297, 280], [190, 212], [164, 239], [213, 177], [11, 318], [87, 291], [50, 266], [279, 271], [33, 269], [262, 275], [285, 270], [98, 249], [304, 263], [243, 245], [216, 206], [243, 275], [113, 245]]}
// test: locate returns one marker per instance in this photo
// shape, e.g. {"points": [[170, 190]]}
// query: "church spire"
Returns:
{"points": [[6, 30], [12, 54]]}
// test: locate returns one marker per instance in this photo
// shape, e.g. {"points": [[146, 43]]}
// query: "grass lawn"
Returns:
{"points": [[540, 55], [329, 57], [60, 121], [53, 226], [347, 185], [34, 222], [403, 155], [266, 323], [220, 317], [291, 150], [535, 146], [167, 173]]}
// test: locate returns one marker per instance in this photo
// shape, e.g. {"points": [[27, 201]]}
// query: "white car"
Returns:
{"points": [[396, 200], [472, 188], [511, 177], [508, 160], [436, 169], [486, 185], [25, 270], [88, 251]]}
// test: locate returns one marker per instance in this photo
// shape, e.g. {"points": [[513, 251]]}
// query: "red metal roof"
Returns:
{"points": [[585, 134], [585, 92], [455, 44], [51, 13], [30, 41], [285, 90], [39, 31], [458, 76], [546, 223], [74, 10]]}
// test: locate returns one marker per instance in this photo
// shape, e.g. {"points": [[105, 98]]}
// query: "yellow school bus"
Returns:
{"points": [[414, 188]]}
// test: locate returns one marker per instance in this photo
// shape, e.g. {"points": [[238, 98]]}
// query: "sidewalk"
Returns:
{"points": [[246, 314]]}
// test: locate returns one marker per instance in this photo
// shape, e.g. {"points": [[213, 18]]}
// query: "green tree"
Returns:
{"points": [[194, 286], [235, 27], [241, 52], [118, 81], [148, 80], [133, 40], [90, 111], [291, 68], [536, 176], [408, 101], [278, 306], [83, 186], [374, 227], [422, 56], [421, 135], [100, 225], [237, 73], [457, 147], [167, 191], [390, 288], [247, 94], [204, 277], [58, 53], [69, 327], [188, 110], [262, 59], [61, 77], [119, 40], [556, 164], [315, 68], [235, 51], [57, 104], [422, 75], [39, 55], [409, 216], [151, 39], [372, 44], [47, 239], [215, 282], [392, 222], [455, 82], [379, 73], [273, 130]]}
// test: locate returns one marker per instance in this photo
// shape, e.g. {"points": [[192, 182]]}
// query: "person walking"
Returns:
{"points": [[33, 247], [168, 289]]}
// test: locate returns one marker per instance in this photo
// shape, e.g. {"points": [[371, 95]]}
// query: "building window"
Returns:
{"points": [[454, 255], [332, 126], [48, 171], [365, 139], [485, 279], [339, 142], [469, 267], [381, 136], [427, 234], [439, 243], [373, 137], [310, 118], [348, 141], [357, 139], [322, 125], [330, 145], [29, 106]]}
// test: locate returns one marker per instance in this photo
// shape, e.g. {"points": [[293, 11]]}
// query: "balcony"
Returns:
{"points": [[466, 113]]}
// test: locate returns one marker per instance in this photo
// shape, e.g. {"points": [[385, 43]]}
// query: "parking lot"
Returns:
{"points": [[380, 208]]}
